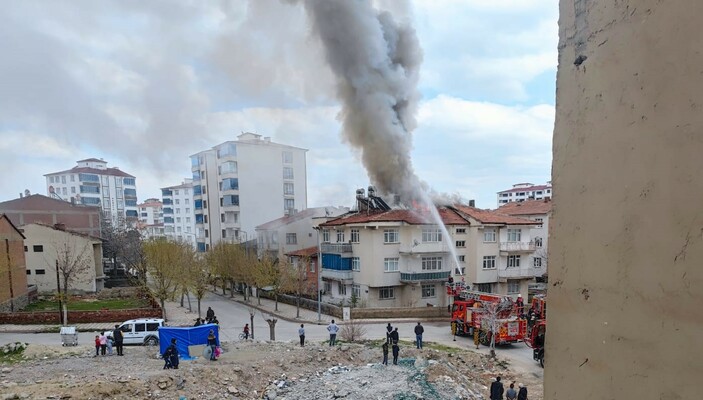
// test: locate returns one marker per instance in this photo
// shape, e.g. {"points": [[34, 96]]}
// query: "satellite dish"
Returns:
{"points": [[26, 192], [51, 190]]}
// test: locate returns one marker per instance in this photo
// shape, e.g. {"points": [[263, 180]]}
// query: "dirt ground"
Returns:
{"points": [[257, 370]]}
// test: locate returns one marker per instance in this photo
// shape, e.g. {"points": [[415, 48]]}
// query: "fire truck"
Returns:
{"points": [[474, 311], [537, 328]]}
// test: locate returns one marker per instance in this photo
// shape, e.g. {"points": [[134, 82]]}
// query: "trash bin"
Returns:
{"points": [[69, 336]]}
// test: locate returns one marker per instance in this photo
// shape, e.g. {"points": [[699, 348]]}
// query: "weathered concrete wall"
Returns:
{"points": [[625, 296]]}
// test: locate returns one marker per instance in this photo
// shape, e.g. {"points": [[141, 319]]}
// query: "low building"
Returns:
{"points": [[13, 275], [151, 223], [50, 248], [305, 261], [525, 192], [48, 211]]}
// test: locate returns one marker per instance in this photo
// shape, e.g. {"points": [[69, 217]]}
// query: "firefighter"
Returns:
{"points": [[476, 337]]}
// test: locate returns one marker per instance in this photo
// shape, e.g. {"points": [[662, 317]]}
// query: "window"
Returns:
{"points": [[204, 218], [25, 249], [390, 236], [431, 263], [130, 203], [431, 235], [325, 236], [342, 289], [63, 178], [187, 210], [327, 287], [538, 242], [90, 189], [29, 272], [178, 210], [513, 286], [178, 229], [140, 327], [312, 266], [287, 157], [229, 167], [390, 264], [460, 243], [514, 235], [188, 219], [224, 233], [222, 218], [287, 173], [460, 230], [205, 204], [130, 193], [228, 149], [356, 291], [128, 181], [288, 189], [51, 179], [385, 293], [291, 238], [178, 219], [537, 262], [64, 191], [355, 236], [461, 258], [485, 287], [356, 264], [227, 200], [489, 235], [540, 220], [428, 291], [39, 272], [38, 248], [513, 261], [73, 189], [230, 184], [340, 236], [152, 327], [288, 204], [206, 233], [489, 262]]}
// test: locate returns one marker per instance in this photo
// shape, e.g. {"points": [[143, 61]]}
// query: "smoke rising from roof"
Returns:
{"points": [[376, 62]]}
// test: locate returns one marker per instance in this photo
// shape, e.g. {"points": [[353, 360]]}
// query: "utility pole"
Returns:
{"points": [[58, 288], [9, 273]]}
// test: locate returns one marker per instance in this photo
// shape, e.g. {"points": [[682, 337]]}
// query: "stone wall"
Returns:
{"points": [[75, 317]]}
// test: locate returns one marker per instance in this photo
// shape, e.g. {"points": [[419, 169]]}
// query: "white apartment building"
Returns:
{"points": [[151, 223], [401, 258], [295, 231], [524, 192], [539, 211], [91, 182], [240, 184], [179, 212]]}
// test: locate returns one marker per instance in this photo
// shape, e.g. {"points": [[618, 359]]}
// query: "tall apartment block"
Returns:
{"points": [[240, 184], [179, 212], [91, 182], [525, 191]]}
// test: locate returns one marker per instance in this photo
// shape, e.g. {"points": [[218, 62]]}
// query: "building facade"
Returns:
{"points": [[51, 211], [538, 211], [524, 192], [92, 183], [241, 184], [13, 275], [151, 223], [305, 262], [179, 212], [48, 246]]}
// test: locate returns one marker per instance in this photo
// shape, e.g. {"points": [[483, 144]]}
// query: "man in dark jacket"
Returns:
{"points": [[171, 356], [396, 351], [419, 330], [497, 389], [522, 393], [389, 329], [385, 351], [210, 315], [118, 337], [394, 336]]}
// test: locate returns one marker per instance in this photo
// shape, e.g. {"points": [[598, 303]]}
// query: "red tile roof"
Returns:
{"points": [[530, 207], [307, 252], [526, 189], [87, 170], [492, 217], [448, 216]]}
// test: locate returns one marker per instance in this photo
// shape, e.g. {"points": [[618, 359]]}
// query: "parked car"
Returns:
{"points": [[141, 331]]}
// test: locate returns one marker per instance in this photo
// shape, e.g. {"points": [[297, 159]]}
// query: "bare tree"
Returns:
{"points": [[199, 278], [73, 261], [352, 331], [269, 273], [489, 324], [163, 260], [295, 280], [271, 320]]}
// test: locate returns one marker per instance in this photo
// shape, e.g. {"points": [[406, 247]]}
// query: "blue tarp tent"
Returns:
{"points": [[186, 336]]}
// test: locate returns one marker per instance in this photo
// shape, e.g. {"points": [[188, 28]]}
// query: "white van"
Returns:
{"points": [[141, 331]]}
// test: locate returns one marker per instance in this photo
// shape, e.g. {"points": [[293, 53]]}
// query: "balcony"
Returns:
{"points": [[515, 273], [345, 276], [424, 276], [337, 248], [421, 248], [517, 247]]}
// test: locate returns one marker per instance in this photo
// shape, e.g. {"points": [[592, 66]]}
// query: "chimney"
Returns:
{"points": [[21, 195], [60, 227], [472, 203]]}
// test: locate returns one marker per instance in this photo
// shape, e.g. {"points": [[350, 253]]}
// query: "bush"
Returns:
{"points": [[352, 331]]}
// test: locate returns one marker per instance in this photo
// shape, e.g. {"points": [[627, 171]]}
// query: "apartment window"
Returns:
{"points": [[489, 262], [229, 200], [540, 220], [327, 287], [63, 178], [178, 210], [489, 235], [485, 287], [325, 236], [428, 291], [204, 189], [206, 233], [64, 191], [39, 272], [288, 189], [356, 264], [229, 184], [431, 235], [222, 218], [460, 230], [287, 157], [287, 173], [188, 219], [205, 218], [73, 189], [386, 293], [291, 238], [461, 258], [431, 263], [204, 203], [288, 204], [537, 262], [51, 179], [513, 286], [29, 272], [355, 236], [340, 236], [178, 201], [460, 243], [390, 264], [178, 229], [224, 233], [513, 261], [312, 266], [25, 249], [514, 235], [229, 149], [131, 182], [356, 291], [187, 210], [38, 248], [188, 227], [178, 219], [186, 192], [342, 289], [538, 242], [229, 167], [391, 236]]}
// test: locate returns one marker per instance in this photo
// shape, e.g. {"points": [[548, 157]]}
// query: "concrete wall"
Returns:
{"points": [[627, 231], [13, 275]]}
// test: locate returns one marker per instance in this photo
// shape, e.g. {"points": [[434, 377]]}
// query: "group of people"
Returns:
{"points": [[210, 318], [104, 343], [497, 391]]}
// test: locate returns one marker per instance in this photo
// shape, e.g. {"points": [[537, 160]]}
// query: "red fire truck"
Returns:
{"points": [[537, 328], [478, 311]]}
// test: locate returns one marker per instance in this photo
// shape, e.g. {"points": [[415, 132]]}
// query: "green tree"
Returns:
{"points": [[163, 262]]}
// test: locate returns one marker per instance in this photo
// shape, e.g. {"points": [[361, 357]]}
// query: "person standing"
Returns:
{"points": [[385, 351], [117, 335], [301, 333], [212, 343], [396, 351], [511, 393], [332, 328], [419, 330], [522, 394], [171, 356], [209, 315], [394, 336], [497, 389], [97, 345], [389, 329], [520, 305], [246, 331], [109, 343], [103, 344]]}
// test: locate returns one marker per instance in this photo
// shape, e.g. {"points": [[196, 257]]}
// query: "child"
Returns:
{"points": [[97, 345], [109, 343], [385, 352], [103, 343]]}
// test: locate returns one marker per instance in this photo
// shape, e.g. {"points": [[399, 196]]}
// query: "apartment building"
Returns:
{"points": [[399, 257], [539, 211], [305, 260], [524, 192], [179, 212], [295, 231], [151, 223], [240, 184], [13, 276], [92, 183]]}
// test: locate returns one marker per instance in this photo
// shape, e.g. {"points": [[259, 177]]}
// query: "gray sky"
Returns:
{"points": [[145, 84]]}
